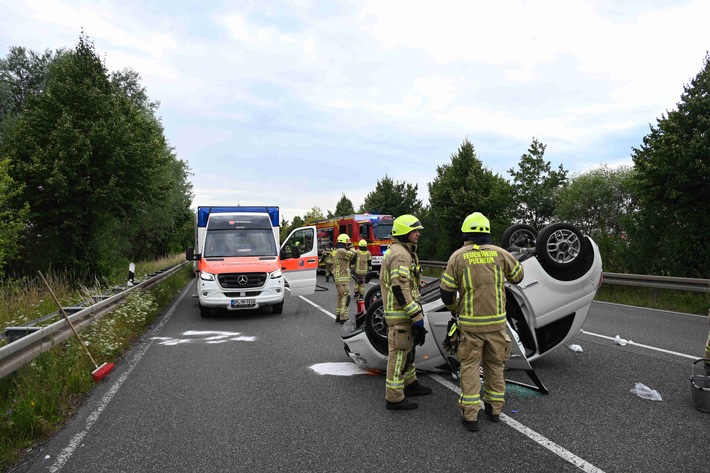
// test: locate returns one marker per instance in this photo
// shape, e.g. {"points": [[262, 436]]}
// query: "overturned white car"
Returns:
{"points": [[563, 271]]}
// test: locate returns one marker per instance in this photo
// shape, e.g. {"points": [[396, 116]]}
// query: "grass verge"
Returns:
{"points": [[38, 398], [663, 299]]}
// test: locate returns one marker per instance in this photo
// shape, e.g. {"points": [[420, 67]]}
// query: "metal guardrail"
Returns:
{"points": [[25, 347], [638, 280], [659, 282]]}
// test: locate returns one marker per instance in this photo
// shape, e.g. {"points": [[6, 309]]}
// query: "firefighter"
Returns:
{"points": [[328, 261], [363, 265], [477, 272], [400, 277], [342, 259]]}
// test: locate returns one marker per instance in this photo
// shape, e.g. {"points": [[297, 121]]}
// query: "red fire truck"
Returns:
{"points": [[376, 230]]}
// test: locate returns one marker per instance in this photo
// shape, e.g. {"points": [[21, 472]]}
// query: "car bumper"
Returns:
{"points": [[211, 294]]}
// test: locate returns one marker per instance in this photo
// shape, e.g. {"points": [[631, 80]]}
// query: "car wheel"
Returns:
{"points": [[278, 308], [561, 246], [205, 312], [376, 326], [372, 295], [520, 235]]}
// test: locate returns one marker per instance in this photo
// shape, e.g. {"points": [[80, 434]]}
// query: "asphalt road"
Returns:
{"points": [[240, 392]]}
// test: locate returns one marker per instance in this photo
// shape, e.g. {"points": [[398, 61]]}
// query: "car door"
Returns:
{"points": [[299, 265]]}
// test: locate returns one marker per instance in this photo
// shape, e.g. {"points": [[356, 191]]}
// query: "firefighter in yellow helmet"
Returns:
{"points": [[342, 259], [477, 272], [363, 265], [400, 279], [329, 261]]}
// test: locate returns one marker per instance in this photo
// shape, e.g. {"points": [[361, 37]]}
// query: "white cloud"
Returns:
{"points": [[294, 104]]}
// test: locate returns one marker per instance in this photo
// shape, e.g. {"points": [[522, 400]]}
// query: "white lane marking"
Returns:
{"points": [[629, 342], [346, 368], [75, 442], [531, 434], [329, 314]]}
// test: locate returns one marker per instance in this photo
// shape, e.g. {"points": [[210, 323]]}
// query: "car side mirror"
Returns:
{"points": [[189, 253]]}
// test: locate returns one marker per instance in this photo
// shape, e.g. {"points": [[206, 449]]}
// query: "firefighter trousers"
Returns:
{"points": [[341, 306], [492, 349], [360, 284], [401, 371]]}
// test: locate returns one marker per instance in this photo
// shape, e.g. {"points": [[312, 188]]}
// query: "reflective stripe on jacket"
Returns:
{"points": [[363, 261], [400, 268], [342, 265], [478, 274], [328, 256]]}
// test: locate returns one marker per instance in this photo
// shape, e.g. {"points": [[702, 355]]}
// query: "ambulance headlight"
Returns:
{"points": [[276, 274], [206, 276]]}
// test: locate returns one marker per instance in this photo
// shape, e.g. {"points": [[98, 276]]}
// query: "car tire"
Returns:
{"points": [[205, 312], [278, 308], [373, 294], [563, 251], [376, 327], [520, 235]]}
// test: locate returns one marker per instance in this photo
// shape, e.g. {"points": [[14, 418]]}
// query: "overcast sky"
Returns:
{"points": [[295, 103]]}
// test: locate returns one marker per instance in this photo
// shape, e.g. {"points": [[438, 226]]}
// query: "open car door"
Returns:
{"points": [[299, 261]]}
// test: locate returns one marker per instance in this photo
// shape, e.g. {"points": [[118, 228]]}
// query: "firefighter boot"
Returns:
{"points": [[403, 405], [471, 425], [416, 389], [489, 412]]}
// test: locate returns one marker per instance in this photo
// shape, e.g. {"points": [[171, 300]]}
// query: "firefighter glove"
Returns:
{"points": [[418, 333], [451, 342]]}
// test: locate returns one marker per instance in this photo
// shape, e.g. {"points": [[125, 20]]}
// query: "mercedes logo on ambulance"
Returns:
{"points": [[242, 280]]}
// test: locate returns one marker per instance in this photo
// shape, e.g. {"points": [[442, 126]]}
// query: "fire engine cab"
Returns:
{"points": [[376, 230]]}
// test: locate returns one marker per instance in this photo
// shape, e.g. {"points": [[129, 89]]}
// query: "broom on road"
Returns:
{"points": [[100, 371]]}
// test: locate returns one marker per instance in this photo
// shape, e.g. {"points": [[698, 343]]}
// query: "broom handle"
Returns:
{"points": [[66, 317]]}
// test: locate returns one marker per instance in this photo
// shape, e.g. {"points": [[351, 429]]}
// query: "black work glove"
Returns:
{"points": [[451, 342], [418, 333]]}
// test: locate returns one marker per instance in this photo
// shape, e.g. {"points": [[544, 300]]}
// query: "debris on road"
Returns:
{"points": [[643, 391]]}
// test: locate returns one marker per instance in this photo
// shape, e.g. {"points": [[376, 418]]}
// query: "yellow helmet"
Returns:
{"points": [[343, 238], [404, 224], [476, 223], [362, 243]]}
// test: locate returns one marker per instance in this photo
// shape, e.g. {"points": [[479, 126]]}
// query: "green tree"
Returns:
{"points": [[673, 174], [460, 188], [102, 183], [392, 198], [11, 220], [535, 187], [601, 202], [313, 215], [22, 73], [344, 207]]}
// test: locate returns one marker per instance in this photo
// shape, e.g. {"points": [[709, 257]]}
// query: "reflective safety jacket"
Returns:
{"points": [[478, 274], [328, 256], [341, 271], [400, 278], [363, 262]]}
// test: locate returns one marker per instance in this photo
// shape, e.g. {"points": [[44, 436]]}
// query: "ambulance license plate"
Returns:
{"points": [[243, 304]]}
